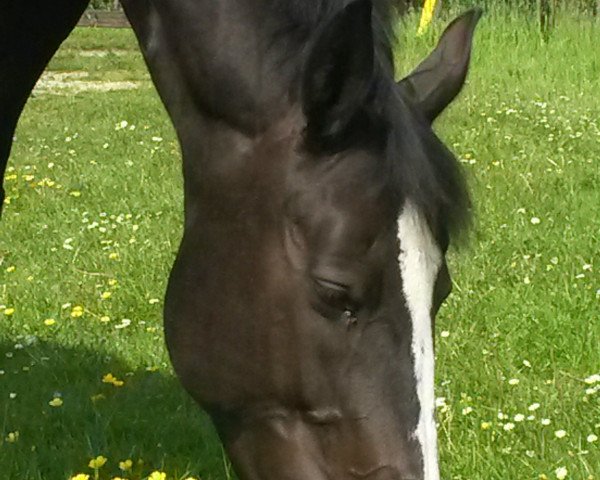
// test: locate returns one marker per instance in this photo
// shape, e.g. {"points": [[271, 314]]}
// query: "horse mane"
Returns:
{"points": [[313, 12], [304, 17]]}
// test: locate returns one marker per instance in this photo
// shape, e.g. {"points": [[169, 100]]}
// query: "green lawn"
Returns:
{"points": [[94, 218]]}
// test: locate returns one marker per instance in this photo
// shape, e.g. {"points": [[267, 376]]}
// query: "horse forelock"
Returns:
{"points": [[421, 168], [416, 164]]}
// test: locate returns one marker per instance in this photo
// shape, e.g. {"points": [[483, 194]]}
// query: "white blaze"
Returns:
{"points": [[420, 260]]}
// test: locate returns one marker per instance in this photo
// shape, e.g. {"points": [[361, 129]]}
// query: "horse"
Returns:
{"points": [[319, 205]]}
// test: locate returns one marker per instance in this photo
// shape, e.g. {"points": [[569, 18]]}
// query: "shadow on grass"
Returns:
{"points": [[148, 419]]}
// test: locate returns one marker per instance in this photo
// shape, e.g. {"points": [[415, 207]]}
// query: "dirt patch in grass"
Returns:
{"points": [[99, 53], [68, 83]]}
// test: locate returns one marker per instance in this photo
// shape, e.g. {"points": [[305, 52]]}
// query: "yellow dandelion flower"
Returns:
{"points": [[126, 464], [486, 425], [118, 478], [156, 475], [110, 378], [77, 311], [10, 269], [106, 295], [113, 256], [12, 437], [80, 476], [105, 319], [9, 311], [49, 322], [56, 402], [112, 282], [97, 462]]}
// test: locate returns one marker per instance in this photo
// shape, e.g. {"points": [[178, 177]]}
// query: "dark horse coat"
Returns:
{"points": [[319, 205]]}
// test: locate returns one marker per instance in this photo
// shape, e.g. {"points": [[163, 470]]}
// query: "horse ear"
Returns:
{"points": [[440, 77], [338, 73]]}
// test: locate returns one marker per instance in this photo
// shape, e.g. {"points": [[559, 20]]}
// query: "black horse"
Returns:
{"points": [[319, 205]]}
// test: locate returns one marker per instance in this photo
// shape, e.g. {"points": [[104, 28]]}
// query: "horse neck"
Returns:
{"points": [[227, 73]]}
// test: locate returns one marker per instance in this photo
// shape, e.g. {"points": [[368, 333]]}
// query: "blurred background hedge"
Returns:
{"points": [[524, 6]]}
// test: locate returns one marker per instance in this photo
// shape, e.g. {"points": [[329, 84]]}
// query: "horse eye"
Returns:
{"points": [[335, 295]]}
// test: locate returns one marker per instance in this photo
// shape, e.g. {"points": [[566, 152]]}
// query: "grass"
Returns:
{"points": [[95, 217]]}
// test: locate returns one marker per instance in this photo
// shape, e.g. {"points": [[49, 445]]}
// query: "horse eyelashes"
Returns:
{"points": [[337, 297]]}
